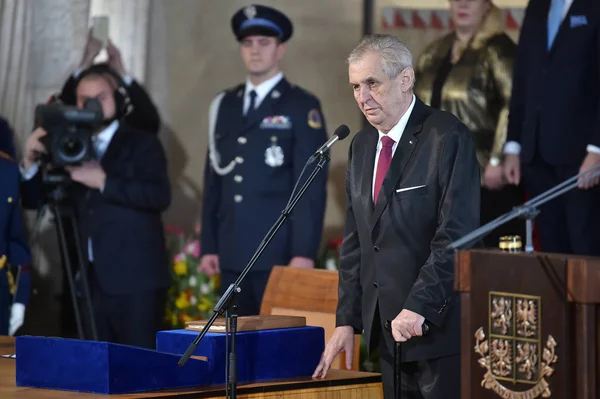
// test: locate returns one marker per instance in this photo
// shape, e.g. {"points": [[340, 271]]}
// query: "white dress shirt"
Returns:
{"points": [[262, 90], [395, 134], [512, 147]]}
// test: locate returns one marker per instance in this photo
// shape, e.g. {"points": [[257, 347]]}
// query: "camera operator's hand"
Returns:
{"points": [[91, 51], [33, 148], [114, 58], [89, 174]]}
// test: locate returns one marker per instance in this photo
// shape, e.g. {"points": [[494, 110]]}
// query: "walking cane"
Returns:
{"points": [[398, 359]]}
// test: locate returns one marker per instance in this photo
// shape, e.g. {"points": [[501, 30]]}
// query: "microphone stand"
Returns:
{"points": [[528, 210], [227, 302]]}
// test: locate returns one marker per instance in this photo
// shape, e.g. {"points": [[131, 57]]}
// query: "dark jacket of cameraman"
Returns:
{"points": [[120, 227]]}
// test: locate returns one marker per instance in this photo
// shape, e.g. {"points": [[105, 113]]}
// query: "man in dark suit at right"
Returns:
{"points": [[554, 122], [118, 199], [412, 188]]}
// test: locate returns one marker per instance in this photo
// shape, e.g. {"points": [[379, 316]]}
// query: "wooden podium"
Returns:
{"points": [[530, 325]]}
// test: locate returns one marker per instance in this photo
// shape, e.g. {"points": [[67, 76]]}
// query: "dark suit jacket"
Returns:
{"points": [[123, 221], [144, 115], [555, 103], [395, 252], [7, 140], [290, 120]]}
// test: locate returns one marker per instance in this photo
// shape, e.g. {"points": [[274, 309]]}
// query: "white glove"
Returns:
{"points": [[17, 316]]}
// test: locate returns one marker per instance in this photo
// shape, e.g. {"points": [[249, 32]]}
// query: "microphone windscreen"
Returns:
{"points": [[342, 132]]}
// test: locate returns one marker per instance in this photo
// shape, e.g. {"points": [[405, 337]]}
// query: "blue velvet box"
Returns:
{"points": [[100, 367], [261, 355]]}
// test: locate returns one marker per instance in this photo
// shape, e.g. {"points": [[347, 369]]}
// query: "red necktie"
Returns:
{"points": [[383, 164]]}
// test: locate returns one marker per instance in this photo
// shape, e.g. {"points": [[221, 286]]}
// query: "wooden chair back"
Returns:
{"points": [[311, 293]]}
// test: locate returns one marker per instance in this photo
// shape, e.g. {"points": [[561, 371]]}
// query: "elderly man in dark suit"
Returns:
{"points": [[554, 123], [412, 187], [118, 200]]}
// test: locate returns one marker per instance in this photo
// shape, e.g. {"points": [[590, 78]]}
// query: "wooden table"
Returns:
{"points": [[338, 384]]}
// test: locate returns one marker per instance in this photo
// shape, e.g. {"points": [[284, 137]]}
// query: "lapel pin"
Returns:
{"points": [[9, 199], [275, 94], [410, 142]]}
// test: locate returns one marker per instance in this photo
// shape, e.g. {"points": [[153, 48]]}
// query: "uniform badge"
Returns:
{"points": [[314, 119], [250, 12], [274, 154], [276, 122]]}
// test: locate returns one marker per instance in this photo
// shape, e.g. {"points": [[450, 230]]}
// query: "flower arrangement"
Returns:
{"points": [[192, 294], [330, 255]]}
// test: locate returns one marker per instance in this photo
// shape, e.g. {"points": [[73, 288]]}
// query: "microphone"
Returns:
{"points": [[340, 134]]}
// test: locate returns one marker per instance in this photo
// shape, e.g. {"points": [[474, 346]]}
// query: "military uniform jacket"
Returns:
{"points": [[15, 256], [270, 150]]}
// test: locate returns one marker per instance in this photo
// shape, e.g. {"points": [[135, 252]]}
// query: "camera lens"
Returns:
{"points": [[71, 148]]}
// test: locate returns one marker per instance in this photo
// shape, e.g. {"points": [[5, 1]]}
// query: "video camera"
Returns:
{"points": [[69, 132]]}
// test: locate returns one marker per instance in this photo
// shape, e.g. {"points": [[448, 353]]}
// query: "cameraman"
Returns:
{"points": [[118, 200]]}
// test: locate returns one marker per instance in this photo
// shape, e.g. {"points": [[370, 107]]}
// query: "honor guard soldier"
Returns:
{"points": [[15, 256], [261, 134]]}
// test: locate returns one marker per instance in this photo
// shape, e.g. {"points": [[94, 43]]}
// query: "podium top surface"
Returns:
{"points": [[579, 275], [9, 390]]}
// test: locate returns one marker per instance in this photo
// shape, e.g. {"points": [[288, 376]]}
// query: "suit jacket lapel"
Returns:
{"points": [[369, 165], [266, 107], [406, 146], [564, 25], [235, 107], [115, 144]]}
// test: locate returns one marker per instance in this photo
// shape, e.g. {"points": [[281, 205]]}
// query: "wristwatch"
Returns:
{"points": [[494, 161]]}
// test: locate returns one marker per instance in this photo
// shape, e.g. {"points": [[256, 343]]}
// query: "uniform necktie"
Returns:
{"points": [[251, 109], [383, 164], [554, 19]]}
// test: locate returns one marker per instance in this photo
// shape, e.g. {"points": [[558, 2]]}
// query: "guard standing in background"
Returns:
{"points": [[261, 134], [15, 256]]}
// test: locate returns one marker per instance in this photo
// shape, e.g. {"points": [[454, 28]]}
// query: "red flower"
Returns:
{"points": [[334, 243]]}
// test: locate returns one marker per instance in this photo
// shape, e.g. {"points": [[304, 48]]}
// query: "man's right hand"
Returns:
{"points": [[209, 265], [512, 169], [33, 148], [342, 340]]}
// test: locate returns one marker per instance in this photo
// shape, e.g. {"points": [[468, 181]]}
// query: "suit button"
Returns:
{"points": [[238, 178], [238, 198], [242, 140], [239, 159], [375, 284], [376, 248]]}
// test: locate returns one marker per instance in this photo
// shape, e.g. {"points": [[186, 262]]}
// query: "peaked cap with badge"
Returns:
{"points": [[262, 21], [255, 157]]}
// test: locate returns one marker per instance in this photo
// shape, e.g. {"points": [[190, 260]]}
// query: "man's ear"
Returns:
{"points": [[407, 79], [280, 50]]}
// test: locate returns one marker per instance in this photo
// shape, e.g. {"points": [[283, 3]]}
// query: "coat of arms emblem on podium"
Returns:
{"points": [[514, 357]]}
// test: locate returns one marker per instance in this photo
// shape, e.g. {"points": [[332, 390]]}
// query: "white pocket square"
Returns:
{"points": [[409, 188], [578, 20]]}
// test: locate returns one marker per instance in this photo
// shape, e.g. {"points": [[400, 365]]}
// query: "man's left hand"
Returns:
{"points": [[89, 174], [302, 263], [591, 159], [114, 58], [406, 325]]}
